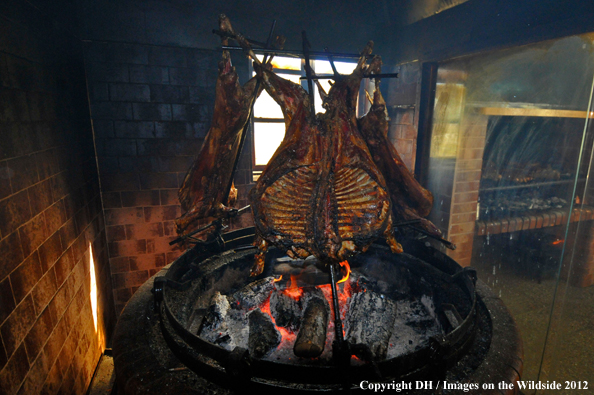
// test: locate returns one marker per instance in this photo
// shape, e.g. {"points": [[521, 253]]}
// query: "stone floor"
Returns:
{"points": [[557, 341]]}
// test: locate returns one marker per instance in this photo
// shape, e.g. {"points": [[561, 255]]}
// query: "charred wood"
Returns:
{"points": [[311, 339], [370, 320], [286, 311], [253, 294], [263, 337]]}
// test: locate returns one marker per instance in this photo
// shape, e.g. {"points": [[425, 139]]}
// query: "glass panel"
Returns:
{"points": [[268, 137], [506, 171]]}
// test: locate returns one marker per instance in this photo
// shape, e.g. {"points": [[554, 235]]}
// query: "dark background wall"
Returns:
{"points": [[50, 209], [150, 67]]}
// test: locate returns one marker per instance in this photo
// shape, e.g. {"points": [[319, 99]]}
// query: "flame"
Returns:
{"points": [[557, 242], [345, 264], [292, 290], [277, 279]]}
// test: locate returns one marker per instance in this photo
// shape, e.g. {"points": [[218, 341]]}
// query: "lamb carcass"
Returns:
{"points": [[205, 195], [321, 193]]}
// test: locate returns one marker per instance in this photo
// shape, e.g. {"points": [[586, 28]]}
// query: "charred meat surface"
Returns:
{"points": [[321, 193], [204, 195]]}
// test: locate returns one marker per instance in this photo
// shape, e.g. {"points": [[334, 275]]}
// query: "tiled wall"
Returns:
{"points": [[151, 109], [50, 212]]}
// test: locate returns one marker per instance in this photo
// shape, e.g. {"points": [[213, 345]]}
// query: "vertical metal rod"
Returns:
{"points": [[337, 321], [308, 69], [331, 60], [253, 100]]}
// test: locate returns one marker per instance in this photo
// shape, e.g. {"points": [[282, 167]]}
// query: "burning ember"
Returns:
{"points": [[293, 321]]}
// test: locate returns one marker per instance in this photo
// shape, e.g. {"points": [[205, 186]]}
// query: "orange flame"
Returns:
{"points": [[345, 264], [557, 242], [285, 334], [277, 279], [292, 290]]}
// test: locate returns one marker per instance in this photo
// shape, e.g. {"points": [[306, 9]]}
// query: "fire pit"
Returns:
{"points": [[210, 328]]}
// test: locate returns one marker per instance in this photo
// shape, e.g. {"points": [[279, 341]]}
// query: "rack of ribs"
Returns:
{"points": [[321, 193], [207, 194]]}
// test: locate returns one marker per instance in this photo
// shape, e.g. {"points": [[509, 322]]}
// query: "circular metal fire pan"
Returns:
{"points": [[200, 355]]}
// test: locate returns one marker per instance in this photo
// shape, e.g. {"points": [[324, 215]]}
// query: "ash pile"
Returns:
{"points": [[387, 312]]}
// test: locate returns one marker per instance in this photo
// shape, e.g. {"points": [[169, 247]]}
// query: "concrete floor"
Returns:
{"points": [[557, 341]]}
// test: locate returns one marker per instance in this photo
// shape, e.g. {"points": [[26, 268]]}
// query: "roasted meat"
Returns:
{"points": [[410, 201], [207, 194], [321, 193]]}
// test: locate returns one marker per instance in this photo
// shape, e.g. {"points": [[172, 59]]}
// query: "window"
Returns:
{"points": [[269, 125]]}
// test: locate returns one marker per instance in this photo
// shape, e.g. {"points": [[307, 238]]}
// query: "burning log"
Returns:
{"points": [[369, 320], [253, 294], [285, 310], [312, 335], [263, 337]]}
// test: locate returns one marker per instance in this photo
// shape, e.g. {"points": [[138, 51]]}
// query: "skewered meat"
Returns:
{"points": [[205, 195], [410, 201], [321, 192]]}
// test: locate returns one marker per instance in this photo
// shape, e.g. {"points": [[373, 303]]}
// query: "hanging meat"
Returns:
{"points": [[207, 193], [410, 201], [321, 193]]}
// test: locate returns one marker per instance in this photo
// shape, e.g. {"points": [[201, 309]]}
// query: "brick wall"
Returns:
{"points": [[50, 212], [151, 108]]}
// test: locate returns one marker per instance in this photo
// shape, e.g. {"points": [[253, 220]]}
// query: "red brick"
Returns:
{"points": [[120, 182], [11, 253], [464, 208], [144, 231], [38, 334], [23, 172], [64, 266], [169, 228], [462, 218], [172, 256], [169, 197], [122, 295], [466, 197], [33, 234], [469, 164], [404, 146], [55, 216], [7, 302], [140, 198], [120, 264], [17, 325], [130, 279], [53, 380], [116, 233], [40, 196], [147, 262], [127, 248], [68, 233], [36, 376], [468, 176], [24, 278], [467, 227], [161, 213], [111, 199], [44, 290], [467, 186], [122, 216], [5, 189], [50, 251], [14, 212], [14, 372]]}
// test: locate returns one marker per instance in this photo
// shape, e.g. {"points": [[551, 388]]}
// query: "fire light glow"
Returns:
{"points": [[93, 286], [345, 265], [292, 290]]}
